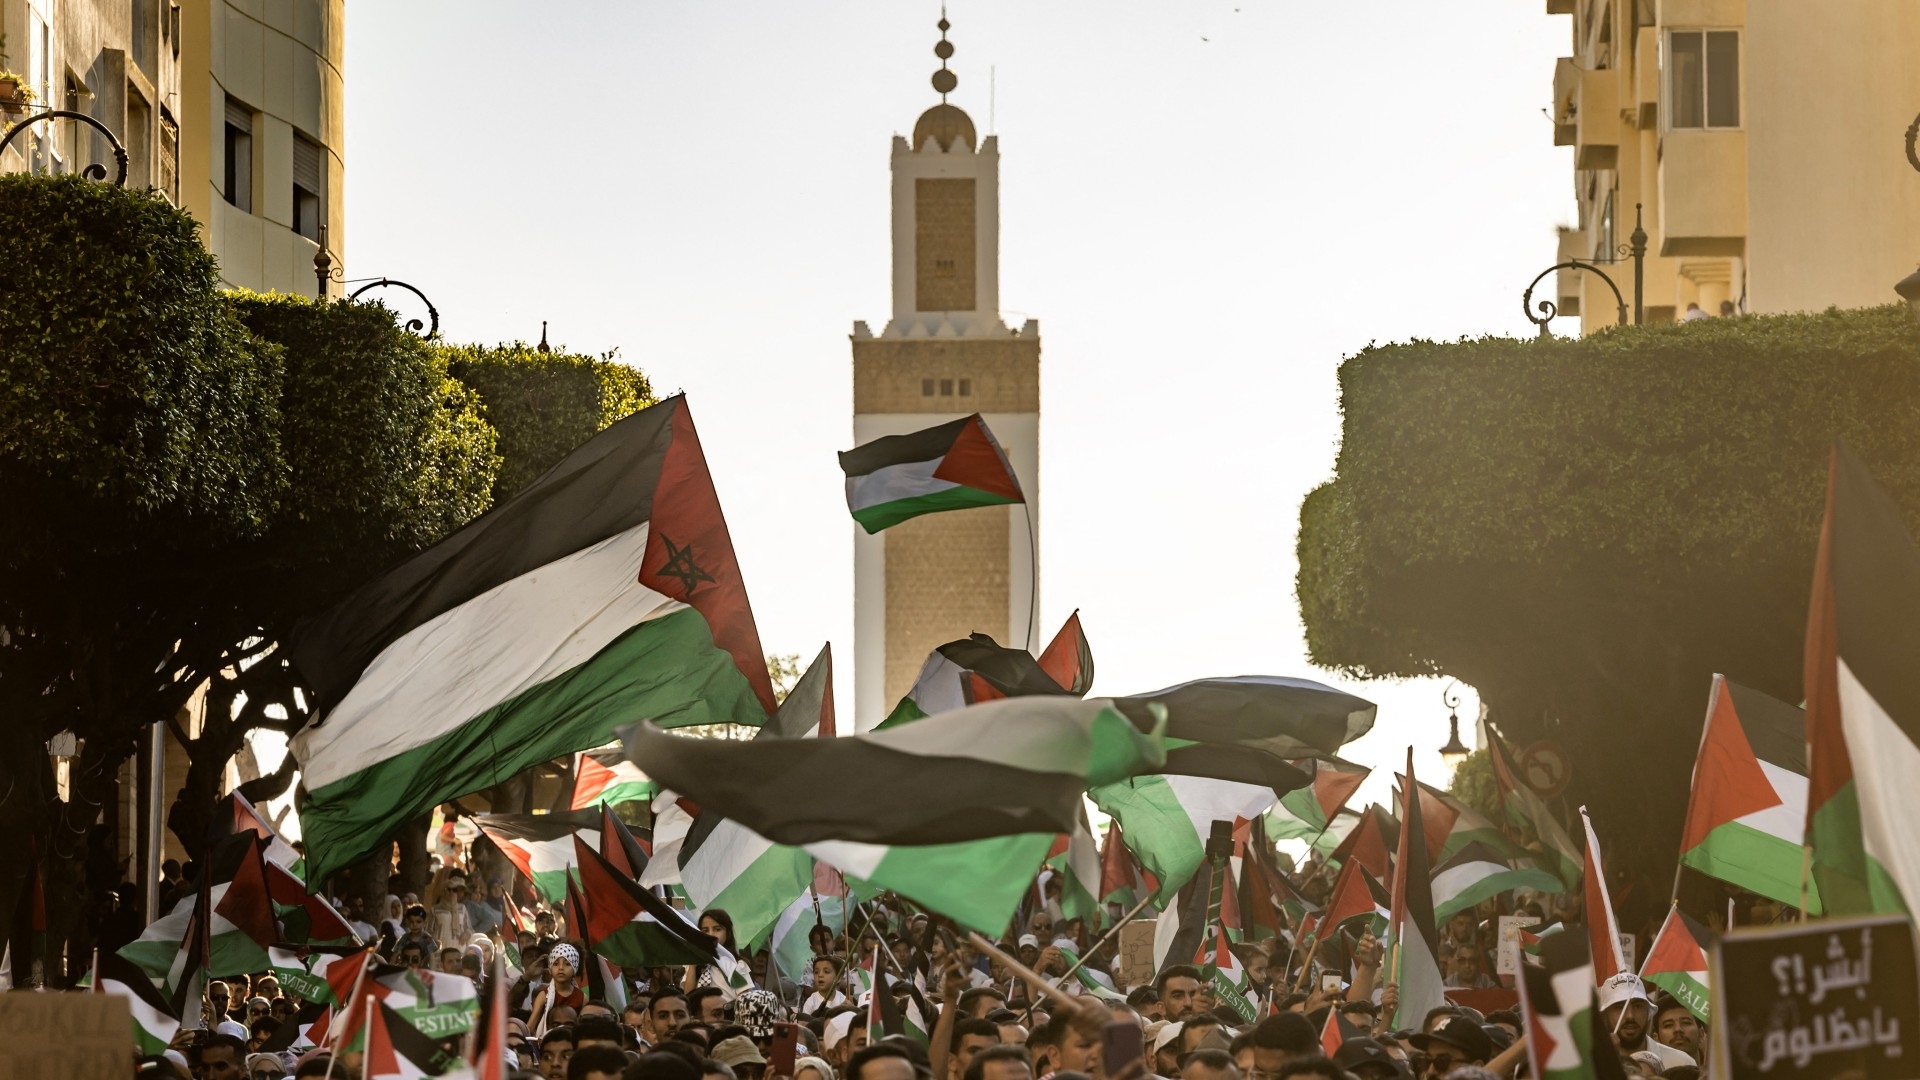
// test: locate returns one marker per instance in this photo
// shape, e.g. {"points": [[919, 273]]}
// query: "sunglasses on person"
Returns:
{"points": [[265, 1074], [1440, 1063]]}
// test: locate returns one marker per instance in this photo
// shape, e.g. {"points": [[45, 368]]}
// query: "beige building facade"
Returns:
{"points": [[945, 353], [233, 109], [1762, 141]]}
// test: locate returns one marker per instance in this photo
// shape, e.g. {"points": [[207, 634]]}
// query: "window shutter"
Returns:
{"points": [[306, 164], [239, 116]]}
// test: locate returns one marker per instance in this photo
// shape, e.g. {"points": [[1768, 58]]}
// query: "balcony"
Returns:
{"points": [[1703, 193], [1597, 124]]}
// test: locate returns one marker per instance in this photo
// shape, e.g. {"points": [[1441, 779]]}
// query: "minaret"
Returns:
{"points": [[945, 353]]}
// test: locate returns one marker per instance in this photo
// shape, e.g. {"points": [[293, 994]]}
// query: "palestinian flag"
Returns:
{"points": [[1167, 819], [605, 777], [1412, 928], [1221, 969], [1180, 932], [604, 591], [954, 466], [998, 769], [1377, 832], [1305, 813], [296, 1031], [792, 948], [628, 924], [1068, 659], [1477, 872], [1566, 1039], [1747, 815], [1452, 826], [305, 919], [1086, 978], [1863, 699], [1525, 809], [626, 854], [1122, 881], [224, 929], [722, 863], [884, 1015], [976, 883], [491, 1058], [237, 814], [540, 846], [1677, 962], [396, 1050], [303, 976], [972, 670], [1075, 857], [1603, 931], [154, 1021], [436, 1003], [1531, 941], [1356, 895], [1251, 728], [1336, 1031]]}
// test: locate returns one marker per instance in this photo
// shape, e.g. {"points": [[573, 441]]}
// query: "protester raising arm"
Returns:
{"points": [[952, 985]]}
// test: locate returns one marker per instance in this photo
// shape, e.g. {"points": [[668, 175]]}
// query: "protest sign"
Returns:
{"points": [[1817, 1000], [1507, 961], [65, 1037], [1136, 952]]}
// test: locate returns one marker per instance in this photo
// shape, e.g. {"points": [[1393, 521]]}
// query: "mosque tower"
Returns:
{"points": [[944, 354]]}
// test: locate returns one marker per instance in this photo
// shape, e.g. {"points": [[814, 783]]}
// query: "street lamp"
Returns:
{"points": [[1909, 287], [1455, 751], [1635, 249], [414, 325]]}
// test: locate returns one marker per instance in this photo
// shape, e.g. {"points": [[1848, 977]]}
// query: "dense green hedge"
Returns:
{"points": [[123, 376], [1587, 529], [544, 404]]}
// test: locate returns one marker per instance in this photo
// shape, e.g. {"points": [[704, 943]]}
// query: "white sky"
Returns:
{"points": [[1207, 203]]}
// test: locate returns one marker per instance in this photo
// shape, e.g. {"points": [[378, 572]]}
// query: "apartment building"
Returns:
{"points": [[1762, 140], [232, 109]]}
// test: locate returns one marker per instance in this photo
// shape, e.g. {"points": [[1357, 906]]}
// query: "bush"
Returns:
{"points": [[544, 404], [1587, 529]]}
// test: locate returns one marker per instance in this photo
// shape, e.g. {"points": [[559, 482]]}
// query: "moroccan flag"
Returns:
{"points": [[540, 846], [628, 924], [1414, 934], [1305, 813], [1677, 962], [1863, 698], [1603, 930], [1524, 808], [1068, 659], [967, 672], [606, 776], [154, 1021], [606, 590], [998, 769], [1747, 814], [1479, 871], [1566, 1038], [954, 466]]}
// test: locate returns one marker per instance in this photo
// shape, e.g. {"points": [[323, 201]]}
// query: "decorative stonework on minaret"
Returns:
{"points": [[945, 353]]}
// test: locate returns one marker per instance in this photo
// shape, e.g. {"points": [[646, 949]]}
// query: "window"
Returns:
{"points": [[1703, 79], [237, 181], [167, 179], [966, 387], [139, 139], [309, 208], [926, 387], [946, 387]]}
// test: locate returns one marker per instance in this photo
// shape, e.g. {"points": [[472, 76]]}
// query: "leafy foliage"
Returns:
{"points": [[1587, 529], [544, 404], [1473, 784]]}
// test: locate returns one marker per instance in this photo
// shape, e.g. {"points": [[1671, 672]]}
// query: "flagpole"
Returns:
{"points": [[1104, 938], [334, 1034]]}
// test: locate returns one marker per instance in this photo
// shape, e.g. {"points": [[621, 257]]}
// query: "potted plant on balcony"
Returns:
{"points": [[15, 94]]}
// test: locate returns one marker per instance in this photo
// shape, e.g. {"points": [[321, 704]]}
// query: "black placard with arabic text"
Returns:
{"points": [[1822, 1000]]}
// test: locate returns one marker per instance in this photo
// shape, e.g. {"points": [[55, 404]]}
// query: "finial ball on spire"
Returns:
{"points": [[944, 25], [944, 81], [943, 49]]}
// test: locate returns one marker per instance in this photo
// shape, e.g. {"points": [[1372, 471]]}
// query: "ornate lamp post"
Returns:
{"points": [[95, 171], [1909, 287], [1635, 249], [1455, 751], [414, 325]]}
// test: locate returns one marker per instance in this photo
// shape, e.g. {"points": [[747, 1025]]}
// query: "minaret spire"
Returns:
{"points": [[944, 80]]}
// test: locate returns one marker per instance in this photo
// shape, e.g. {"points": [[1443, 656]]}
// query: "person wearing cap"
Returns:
{"points": [[1366, 1059], [1027, 948], [1163, 1046], [1676, 1026], [1628, 1013], [740, 1055], [1455, 1040]]}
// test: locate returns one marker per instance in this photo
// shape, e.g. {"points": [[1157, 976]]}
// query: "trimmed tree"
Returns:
{"points": [[1587, 529]]}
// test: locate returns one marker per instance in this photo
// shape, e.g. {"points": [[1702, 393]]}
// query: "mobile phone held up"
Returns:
{"points": [[1330, 984], [780, 1056]]}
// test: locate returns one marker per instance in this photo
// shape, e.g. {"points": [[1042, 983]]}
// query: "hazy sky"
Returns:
{"points": [[1206, 204]]}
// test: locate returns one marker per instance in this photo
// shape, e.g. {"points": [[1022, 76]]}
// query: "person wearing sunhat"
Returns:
{"points": [[1628, 1013], [1454, 1041], [740, 1055]]}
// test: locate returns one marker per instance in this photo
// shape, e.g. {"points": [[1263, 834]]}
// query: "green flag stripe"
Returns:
{"points": [[888, 514]]}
